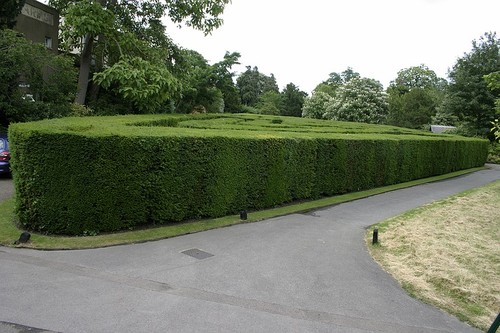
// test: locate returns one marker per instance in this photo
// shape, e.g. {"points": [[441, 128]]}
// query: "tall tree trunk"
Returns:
{"points": [[83, 77], [93, 94]]}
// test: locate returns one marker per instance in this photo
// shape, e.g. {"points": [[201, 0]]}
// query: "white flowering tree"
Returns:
{"points": [[315, 106], [359, 100]]}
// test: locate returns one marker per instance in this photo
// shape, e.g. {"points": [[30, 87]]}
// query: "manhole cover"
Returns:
{"points": [[198, 254]]}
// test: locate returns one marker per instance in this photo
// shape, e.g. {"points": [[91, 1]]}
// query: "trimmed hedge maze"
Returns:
{"points": [[78, 176]]}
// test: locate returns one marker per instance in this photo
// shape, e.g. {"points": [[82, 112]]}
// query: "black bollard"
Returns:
{"points": [[243, 215], [375, 236], [495, 325]]}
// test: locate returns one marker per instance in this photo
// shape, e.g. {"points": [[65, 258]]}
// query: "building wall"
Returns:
{"points": [[39, 23]]}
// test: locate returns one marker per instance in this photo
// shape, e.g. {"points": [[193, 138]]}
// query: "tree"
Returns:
{"points": [[493, 82], [469, 97], [443, 117], [9, 10], [223, 80], [359, 100], [145, 84], [269, 83], [127, 35], [315, 106], [412, 109], [208, 86], [45, 76], [252, 84], [414, 97], [192, 71], [293, 100], [270, 102], [496, 129], [249, 86], [325, 88], [336, 80], [416, 77]]}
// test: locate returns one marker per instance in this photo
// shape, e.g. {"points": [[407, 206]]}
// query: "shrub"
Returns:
{"points": [[494, 153], [78, 110], [23, 111], [98, 174]]}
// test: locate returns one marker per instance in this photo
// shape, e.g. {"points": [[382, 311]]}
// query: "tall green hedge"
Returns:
{"points": [[90, 175]]}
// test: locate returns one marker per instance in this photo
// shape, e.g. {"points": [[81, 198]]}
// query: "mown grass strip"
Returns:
{"points": [[446, 253], [9, 232]]}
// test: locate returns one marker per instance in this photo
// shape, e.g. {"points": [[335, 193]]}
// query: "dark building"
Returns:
{"points": [[39, 23]]}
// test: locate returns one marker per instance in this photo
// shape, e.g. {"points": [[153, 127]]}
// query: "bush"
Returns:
{"points": [[249, 109], [78, 110], [100, 174], [23, 111], [494, 153]]}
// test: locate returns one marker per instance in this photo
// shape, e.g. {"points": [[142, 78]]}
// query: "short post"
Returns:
{"points": [[375, 236], [495, 325], [243, 215]]}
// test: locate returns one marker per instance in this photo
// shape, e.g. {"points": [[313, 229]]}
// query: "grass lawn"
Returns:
{"points": [[448, 253], [9, 232]]}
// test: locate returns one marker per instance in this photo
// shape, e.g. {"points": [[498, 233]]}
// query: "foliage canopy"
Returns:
{"points": [[469, 97]]}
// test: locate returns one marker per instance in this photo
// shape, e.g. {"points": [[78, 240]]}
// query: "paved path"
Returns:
{"points": [[297, 273], [6, 187]]}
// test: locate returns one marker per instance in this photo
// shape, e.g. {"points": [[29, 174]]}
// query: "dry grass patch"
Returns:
{"points": [[448, 253]]}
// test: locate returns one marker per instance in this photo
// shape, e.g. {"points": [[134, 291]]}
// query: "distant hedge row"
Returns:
{"points": [[89, 175]]}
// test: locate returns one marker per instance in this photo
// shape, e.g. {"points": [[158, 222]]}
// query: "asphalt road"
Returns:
{"points": [[296, 273], [6, 187]]}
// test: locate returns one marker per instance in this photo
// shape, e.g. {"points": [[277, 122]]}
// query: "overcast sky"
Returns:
{"points": [[302, 41]]}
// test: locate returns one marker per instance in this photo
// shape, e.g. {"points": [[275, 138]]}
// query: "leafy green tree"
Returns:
{"points": [[493, 82], [9, 10], [414, 97], [193, 71], [293, 100], [359, 100], [315, 105], [252, 84], [270, 102], [249, 85], [469, 97], [122, 34], [416, 77], [206, 87], [325, 88], [269, 83], [336, 80], [412, 109], [45, 76], [496, 129], [348, 75], [223, 81], [443, 117], [139, 81]]}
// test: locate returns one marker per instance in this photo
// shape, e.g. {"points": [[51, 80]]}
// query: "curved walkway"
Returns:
{"points": [[296, 273]]}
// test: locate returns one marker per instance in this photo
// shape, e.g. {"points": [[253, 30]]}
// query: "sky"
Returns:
{"points": [[303, 41]]}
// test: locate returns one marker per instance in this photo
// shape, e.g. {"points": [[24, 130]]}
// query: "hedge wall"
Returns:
{"points": [[90, 175]]}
